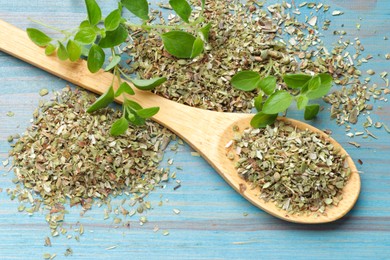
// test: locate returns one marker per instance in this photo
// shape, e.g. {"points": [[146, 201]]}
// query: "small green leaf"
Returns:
{"points": [[96, 58], [119, 127], [86, 35], [261, 120], [182, 8], [311, 111], [135, 119], [268, 85], [277, 102], [114, 38], [258, 102], [204, 32], [302, 101], [129, 115], [326, 79], [314, 83], [113, 20], [131, 108], [197, 48], [103, 101], [38, 37], [62, 53], [147, 112], [323, 89], [114, 61], [74, 50], [134, 106], [148, 84], [94, 12], [296, 80], [246, 80], [138, 7], [178, 43], [84, 24], [124, 88], [50, 49]]}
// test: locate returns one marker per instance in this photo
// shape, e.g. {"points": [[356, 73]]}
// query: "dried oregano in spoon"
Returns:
{"points": [[296, 169]]}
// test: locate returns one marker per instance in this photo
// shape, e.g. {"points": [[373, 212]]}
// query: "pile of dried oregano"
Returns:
{"points": [[297, 169], [68, 155]]}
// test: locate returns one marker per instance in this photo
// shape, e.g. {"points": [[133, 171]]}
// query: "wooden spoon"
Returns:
{"points": [[205, 131]]}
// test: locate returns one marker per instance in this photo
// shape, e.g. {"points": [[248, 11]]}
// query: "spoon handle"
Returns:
{"points": [[193, 125]]}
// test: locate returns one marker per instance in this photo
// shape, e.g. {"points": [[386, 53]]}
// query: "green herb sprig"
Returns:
{"points": [[96, 34], [271, 101]]}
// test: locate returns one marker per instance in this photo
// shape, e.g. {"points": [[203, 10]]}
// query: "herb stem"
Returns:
{"points": [[123, 74], [269, 67], [114, 75]]}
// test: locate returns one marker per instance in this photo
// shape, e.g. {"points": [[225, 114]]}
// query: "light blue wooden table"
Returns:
{"points": [[215, 222]]}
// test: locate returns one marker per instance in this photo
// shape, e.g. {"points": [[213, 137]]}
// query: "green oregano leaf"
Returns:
{"points": [[124, 88], [261, 120], [277, 102], [147, 112], [258, 102], [74, 50], [84, 24], [326, 79], [302, 101], [267, 84], [96, 58], [323, 89], [311, 111], [85, 35], [138, 7], [296, 80], [131, 108], [135, 119], [203, 4], [103, 101], [62, 53], [38, 37], [204, 32], [148, 84], [119, 126], [178, 43], [114, 38], [246, 80], [314, 83], [132, 105], [113, 20], [114, 61], [50, 49], [94, 12], [182, 8], [128, 114], [197, 47]]}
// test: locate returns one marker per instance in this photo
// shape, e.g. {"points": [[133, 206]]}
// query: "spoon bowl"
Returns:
{"points": [[350, 192], [205, 131]]}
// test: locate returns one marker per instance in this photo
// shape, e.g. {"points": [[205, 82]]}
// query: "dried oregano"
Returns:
{"points": [[298, 170], [68, 155], [272, 40]]}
